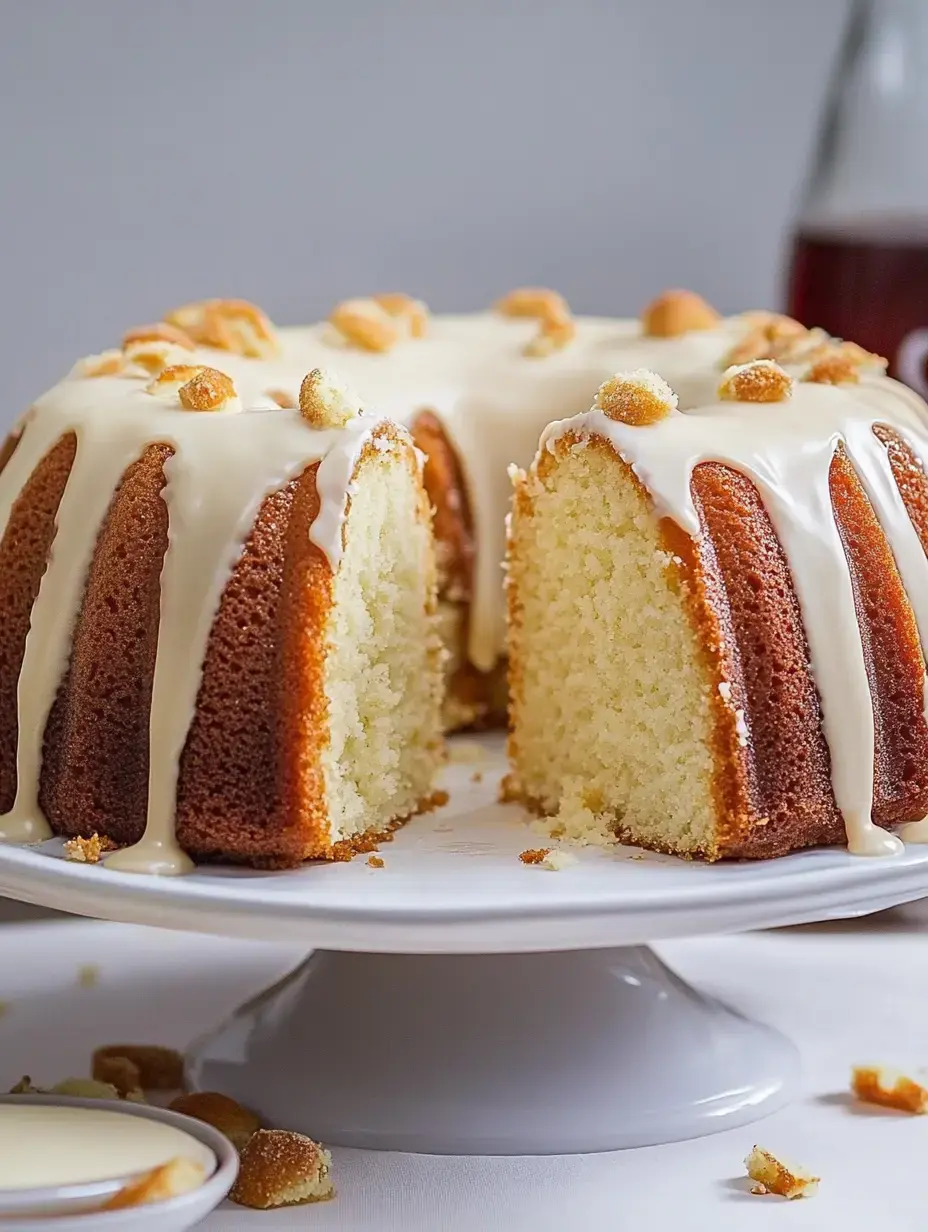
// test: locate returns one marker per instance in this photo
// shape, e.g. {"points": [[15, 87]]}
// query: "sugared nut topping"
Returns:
{"points": [[556, 326], [412, 311], [637, 398], [208, 390], [107, 363], [536, 302], [770, 336], [227, 325], [834, 369], [282, 1168], [677, 312], [875, 1084], [169, 380], [366, 324], [861, 358], [153, 347], [772, 1175], [160, 332], [325, 401], [762, 380]]}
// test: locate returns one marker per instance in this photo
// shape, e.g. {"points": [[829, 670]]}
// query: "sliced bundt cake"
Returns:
{"points": [[217, 617], [718, 611]]}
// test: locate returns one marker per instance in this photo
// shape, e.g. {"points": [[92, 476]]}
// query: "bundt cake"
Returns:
{"points": [[718, 606], [232, 652]]}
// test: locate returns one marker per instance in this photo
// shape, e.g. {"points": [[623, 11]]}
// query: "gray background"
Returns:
{"points": [[295, 153]]}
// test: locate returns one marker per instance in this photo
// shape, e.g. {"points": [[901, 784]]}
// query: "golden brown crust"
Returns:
{"points": [[88, 850], [160, 332], [23, 553], [773, 1176], [365, 324], [773, 783], [95, 755], [225, 1114], [282, 1168]]}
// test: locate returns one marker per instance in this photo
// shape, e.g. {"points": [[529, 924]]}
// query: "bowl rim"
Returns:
{"points": [[49, 1197]]}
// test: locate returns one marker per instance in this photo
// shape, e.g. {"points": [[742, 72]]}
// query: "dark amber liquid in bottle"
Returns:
{"points": [[869, 285]]}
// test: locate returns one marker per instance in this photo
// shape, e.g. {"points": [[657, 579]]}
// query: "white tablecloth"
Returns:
{"points": [[844, 993]]}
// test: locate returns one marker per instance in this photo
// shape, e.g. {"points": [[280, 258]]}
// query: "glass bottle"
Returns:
{"points": [[860, 251]]}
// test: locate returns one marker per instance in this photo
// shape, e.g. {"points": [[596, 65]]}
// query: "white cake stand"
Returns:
{"points": [[458, 1001]]}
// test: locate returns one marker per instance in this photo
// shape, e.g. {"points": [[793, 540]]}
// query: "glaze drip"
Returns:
{"points": [[786, 450]]}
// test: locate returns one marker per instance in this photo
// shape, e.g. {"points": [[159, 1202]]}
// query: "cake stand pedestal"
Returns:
{"points": [[460, 1001], [495, 1054]]}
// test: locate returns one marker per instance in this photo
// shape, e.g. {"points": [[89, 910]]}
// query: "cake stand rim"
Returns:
{"points": [[805, 887]]}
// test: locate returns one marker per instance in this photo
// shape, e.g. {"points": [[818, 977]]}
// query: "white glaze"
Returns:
{"points": [[223, 466], [50, 1145], [786, 449]]}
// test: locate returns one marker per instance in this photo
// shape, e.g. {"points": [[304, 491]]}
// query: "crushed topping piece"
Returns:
{"points": [[762, 380], [834, 369], [365, 324], [774, 1176], [771, 336], [553, 335], [556, 329], [413, 311], [285, 401], [325, 401], [281, 1168], [208, 390], [84, 1088], [534, 855], [118, 1072], [160, 1069], [637, 398], [223, 1113], [861, 357], [178, 1176], [107, 363], [25, 1087], [677, 312], [169, 380], [88, 850], [876, 1084], [375, 861], [227, 325]]}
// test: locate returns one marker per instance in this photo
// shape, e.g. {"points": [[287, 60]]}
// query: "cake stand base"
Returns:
{"points": [[554, 1053]]}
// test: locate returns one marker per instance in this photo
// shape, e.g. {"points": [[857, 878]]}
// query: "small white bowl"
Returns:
{"points": [[75, 1208]]}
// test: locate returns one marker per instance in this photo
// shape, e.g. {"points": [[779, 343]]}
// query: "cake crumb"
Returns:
{"points": [[88, 850], [773, 1176], [557, 859], [477, 776], [877, 1084], [534, 855], [88, 975], [375, 861]]}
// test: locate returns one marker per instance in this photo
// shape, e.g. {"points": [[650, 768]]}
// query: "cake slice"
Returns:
{"points": [[715, 615]]}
